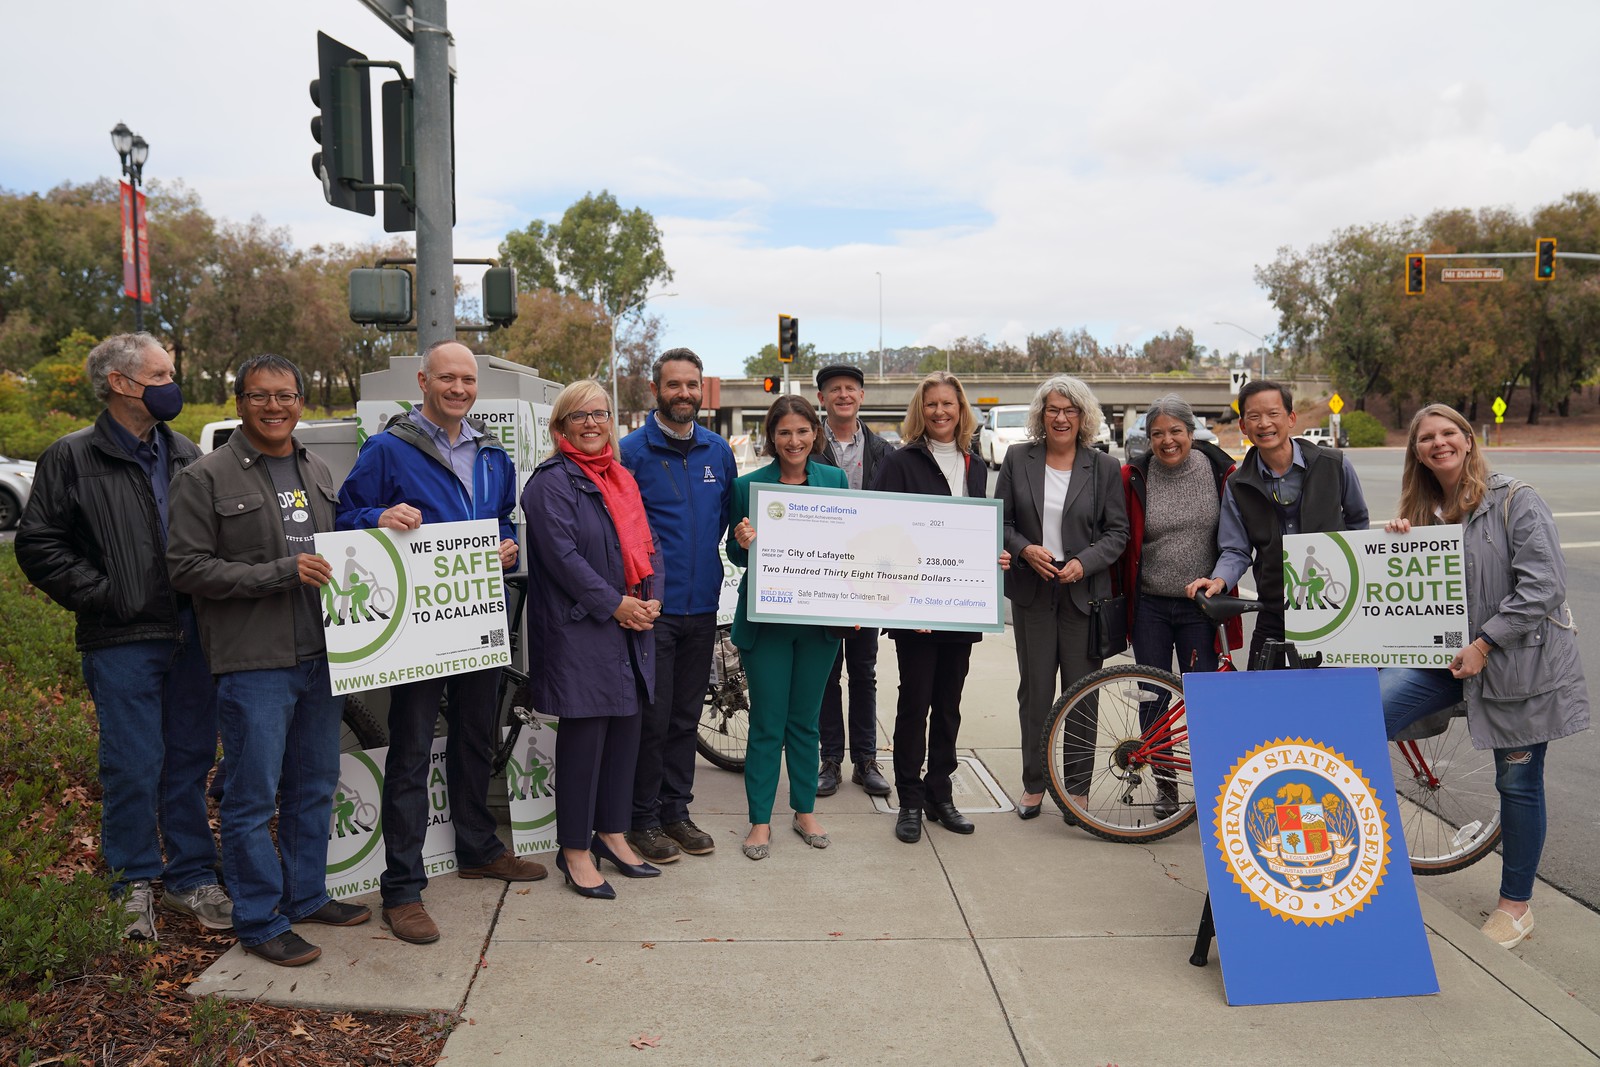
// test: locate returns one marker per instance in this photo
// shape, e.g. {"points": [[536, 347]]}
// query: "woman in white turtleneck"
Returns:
{"points": [[937, 459]]}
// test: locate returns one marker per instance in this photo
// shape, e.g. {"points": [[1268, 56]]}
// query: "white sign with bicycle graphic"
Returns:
{"points": [[407, 605], [356, 856], [1369, 598]]}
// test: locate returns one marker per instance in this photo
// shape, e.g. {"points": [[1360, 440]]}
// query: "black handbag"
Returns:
{"points": [[1108, 616]]}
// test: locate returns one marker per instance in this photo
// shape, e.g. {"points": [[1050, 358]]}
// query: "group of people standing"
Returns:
{"points": [[195, 584]]}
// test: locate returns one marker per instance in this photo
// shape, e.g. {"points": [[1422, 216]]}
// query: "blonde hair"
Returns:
{"points": [[1421, 495], [966, 421], [571, 399]]}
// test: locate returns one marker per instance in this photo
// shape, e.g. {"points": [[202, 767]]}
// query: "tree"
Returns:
{"points": [[1168, 352], [245, 305], [61, 383], [563, 336], [804, 368], [183, 250], [598, 251]]}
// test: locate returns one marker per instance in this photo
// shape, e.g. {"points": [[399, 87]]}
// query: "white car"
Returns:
{"points": [[16, 485], [1002, 427]]}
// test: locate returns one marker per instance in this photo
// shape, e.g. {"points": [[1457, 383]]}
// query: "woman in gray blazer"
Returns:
{"points": [[1066, 525]]}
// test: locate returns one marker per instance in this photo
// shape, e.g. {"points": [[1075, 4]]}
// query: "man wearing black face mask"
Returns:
{"points": [[93, 538]]}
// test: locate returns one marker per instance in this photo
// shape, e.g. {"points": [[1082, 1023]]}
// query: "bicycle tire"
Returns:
{"points": [[513, 709], [1097, 722], [723, 734], [359, 727], [1449, 808]]}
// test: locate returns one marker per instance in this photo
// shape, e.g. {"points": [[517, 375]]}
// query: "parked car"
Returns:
{"points": [[1137, 443], [1323, 435], [1002, 427], [890, 438], [1102, 440], [16, 484]]}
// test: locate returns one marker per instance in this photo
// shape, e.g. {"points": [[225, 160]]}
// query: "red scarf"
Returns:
{"points": [[621, 495]]}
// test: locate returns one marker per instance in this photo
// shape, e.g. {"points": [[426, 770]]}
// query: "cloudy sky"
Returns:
{"points": [[1006, 168]]}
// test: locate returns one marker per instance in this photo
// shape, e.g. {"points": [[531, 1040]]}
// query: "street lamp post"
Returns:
{"points": [[1257, 336], [616, 410], [133, 150], [880, 324]]}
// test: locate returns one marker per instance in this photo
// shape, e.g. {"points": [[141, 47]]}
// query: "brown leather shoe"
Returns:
{"points": [[410, 922], [507, 868]]}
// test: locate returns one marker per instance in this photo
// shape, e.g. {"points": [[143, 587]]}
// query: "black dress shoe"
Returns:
{"points": [[908, 827], [338, 913], [1028, 811], [828, 778], [603, 891], [946, 815], [869, 776], [602, 851]]}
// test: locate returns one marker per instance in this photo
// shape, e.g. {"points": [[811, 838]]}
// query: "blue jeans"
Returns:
{"points": [[1160, 625], [158, 739], [1412, 693], [860, 657], [280, 728]]}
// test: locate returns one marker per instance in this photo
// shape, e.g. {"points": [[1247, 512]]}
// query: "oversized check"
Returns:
{"points": [[849, 558], [1367, 598]]}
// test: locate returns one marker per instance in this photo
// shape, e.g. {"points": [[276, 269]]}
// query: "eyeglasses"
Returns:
{"points": [[259, 400], [1061, 413], [598, 416]]}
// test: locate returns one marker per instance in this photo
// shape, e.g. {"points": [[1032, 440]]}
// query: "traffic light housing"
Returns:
{"points": [[1544, 264], [788, 338], [342, 92], [771, 384], [380, 296], [399, 157], [500, 295], [1416, 275]]}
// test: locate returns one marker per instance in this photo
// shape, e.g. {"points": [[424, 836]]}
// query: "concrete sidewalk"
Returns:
{"points": [[1025, 943]]}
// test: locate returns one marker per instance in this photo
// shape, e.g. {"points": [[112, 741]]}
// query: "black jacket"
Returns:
{"points": [[91, 539], [912, 469], [873, 449]]}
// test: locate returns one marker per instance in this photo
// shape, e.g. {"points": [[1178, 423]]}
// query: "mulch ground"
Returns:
{"points": [[135, 1011]]}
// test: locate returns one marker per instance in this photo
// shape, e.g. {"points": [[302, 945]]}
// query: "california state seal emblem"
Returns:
{"points": [[1302, 831]]}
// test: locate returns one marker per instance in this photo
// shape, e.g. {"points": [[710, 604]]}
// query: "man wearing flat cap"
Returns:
{"points": [[855, 449]]}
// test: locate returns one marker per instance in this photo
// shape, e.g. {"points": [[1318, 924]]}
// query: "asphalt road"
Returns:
{"points": [[1566, 480]]}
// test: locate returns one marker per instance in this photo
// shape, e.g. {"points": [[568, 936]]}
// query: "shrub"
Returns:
{"points": [[24, 435], [1364, 429]]}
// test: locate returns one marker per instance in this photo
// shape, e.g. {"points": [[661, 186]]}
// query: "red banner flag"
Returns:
{"points": [[133, 229]]}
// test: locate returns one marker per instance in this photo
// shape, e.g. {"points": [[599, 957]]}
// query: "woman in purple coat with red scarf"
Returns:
{"points": [[591, 655]]}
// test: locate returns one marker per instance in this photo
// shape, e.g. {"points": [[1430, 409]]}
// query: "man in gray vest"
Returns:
{"points": [[1282, 486]]}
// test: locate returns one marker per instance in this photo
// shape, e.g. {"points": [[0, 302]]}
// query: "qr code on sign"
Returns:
{"points": [[1452, 638], [494, 638]]}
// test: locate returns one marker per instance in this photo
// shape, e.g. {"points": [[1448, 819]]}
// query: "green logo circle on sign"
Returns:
{"points": [[1346, 609], [397, 611]]}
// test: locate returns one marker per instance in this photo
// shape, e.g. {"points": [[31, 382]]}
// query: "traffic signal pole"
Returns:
{"points": [[436, 287]]}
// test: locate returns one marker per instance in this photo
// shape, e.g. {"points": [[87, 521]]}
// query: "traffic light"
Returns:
{"points": [[1416, 275], [771, 384], [500, 295], [788, 338], [399, 157], [380, 295], [1544, 269], [343, 93]]}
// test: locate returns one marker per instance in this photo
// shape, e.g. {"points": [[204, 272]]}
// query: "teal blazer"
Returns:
{"points": [[818, 474]]}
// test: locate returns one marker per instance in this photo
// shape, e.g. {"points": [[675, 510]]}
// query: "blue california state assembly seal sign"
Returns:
{"points": [[1302, 831]]}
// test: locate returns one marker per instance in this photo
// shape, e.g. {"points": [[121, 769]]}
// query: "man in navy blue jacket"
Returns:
{"points": [[685, 474], [432, 465]]}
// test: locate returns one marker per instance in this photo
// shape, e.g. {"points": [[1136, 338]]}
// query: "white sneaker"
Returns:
{"points": [[208, 904], [138, 901]]}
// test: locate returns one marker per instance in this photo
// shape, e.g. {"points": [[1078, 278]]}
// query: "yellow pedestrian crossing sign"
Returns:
{"points": [[1336, 403], [1499, 407]]}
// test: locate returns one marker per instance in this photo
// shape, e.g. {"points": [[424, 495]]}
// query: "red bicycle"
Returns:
{"points": [[1116, 749]]}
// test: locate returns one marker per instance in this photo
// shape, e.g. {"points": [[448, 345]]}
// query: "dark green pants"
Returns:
{"points": [[788, 667]]}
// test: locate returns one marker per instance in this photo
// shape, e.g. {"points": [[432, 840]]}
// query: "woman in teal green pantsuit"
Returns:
{"points": [[787, 664]]}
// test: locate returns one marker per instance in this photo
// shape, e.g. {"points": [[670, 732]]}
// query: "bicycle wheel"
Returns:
{"points": [[361, 726], [514, 704], [1116, 753], [724, 731], [1449, 808]]}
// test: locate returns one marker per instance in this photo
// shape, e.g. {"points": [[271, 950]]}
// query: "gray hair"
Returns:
{"points": [[1078, 395], [1173, 407], [121, 352]]}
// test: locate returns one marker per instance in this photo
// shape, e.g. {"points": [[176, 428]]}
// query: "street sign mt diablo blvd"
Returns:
{"points": [[1472, 274]]}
